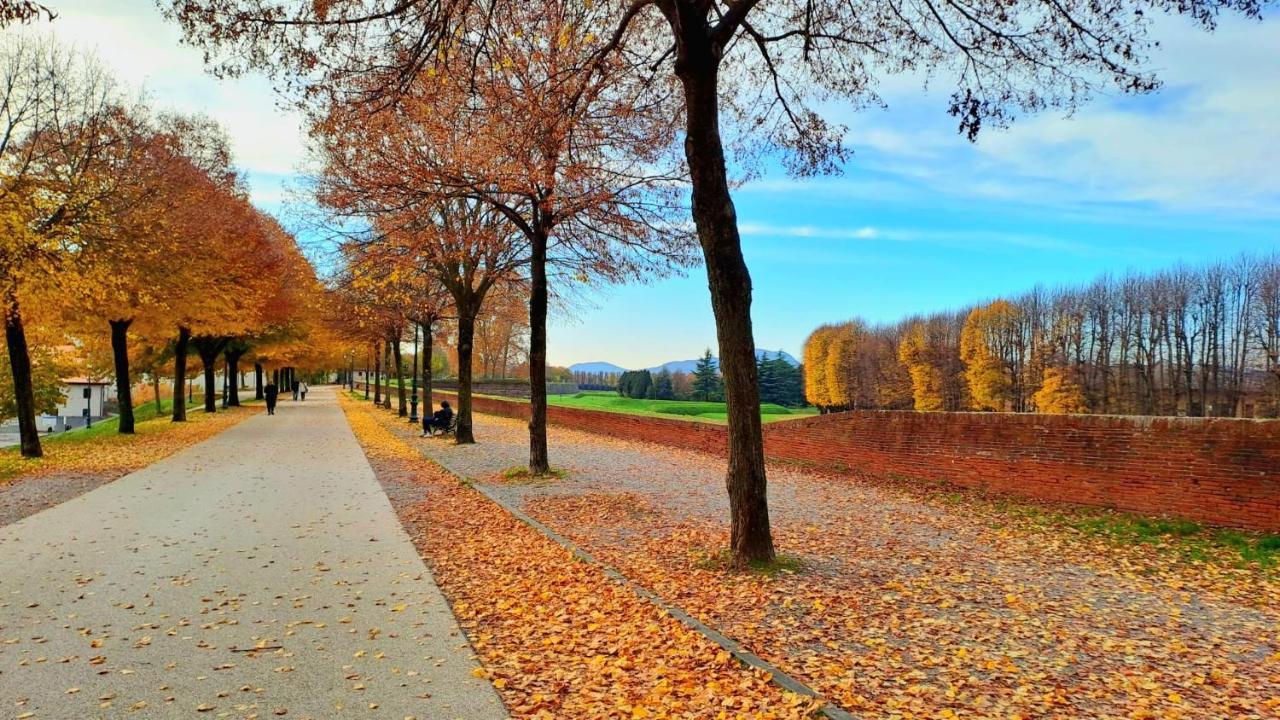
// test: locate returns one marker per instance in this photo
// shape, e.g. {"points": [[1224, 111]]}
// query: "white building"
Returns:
{"points": [[83, 398]]}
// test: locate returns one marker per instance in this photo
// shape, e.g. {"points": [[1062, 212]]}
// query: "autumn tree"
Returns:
{"points": [[815, 366], [56, 123], [1060, 393]]}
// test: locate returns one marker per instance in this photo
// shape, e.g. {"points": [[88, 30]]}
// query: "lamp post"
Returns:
{"points": [[413, 398]]}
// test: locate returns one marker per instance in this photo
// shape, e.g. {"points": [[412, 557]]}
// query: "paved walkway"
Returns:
{"points": [[258, 574]]}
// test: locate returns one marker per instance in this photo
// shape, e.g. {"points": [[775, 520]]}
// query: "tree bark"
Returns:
{"points": [[539, 463], [180, 375], [401, 397], [428, 404], [155, 388], [15, 336], [466, 341], [233, 372], [209, 349], [257, 381], [377, 374], [730, 283], [124, 388]]}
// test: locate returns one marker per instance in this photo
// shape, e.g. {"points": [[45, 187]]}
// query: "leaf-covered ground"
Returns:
{"points": [[556, 637], [906, 602], [82, 460]]}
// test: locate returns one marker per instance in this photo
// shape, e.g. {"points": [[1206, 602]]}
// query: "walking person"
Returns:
{"points": [[272, 394], [303, 391], [439, 420], [297, 387]]}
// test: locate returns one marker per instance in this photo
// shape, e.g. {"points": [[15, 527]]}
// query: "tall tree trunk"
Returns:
{"points": [[233, 372], [730, 285], [124, 388], [386, 371], [209, 349], [413, 394], [155, 389], [401, 397], [428, 404], [466, 342], [539, 463], [377, 374], [180, 375], [257, 381], [366, 377], [15, 336]]}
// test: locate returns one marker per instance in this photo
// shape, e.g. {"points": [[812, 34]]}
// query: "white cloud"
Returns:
{"points": [[1207, 141], [145, 52]]}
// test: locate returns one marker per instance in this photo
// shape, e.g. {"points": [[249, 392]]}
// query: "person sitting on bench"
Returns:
{"points": [[439, 420]]}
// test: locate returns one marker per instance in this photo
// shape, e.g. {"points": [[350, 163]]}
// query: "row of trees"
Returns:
{"points": [[780, 382], [567, 119], [1193, 341], [128, 233]]}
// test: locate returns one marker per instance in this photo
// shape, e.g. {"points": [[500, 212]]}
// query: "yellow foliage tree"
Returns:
{"points": [[815, 366], [1060, 393], [840, 351], [991, 352], [926, 377]]}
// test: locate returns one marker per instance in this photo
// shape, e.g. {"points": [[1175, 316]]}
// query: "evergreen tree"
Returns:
{"points": [[706, 379], [663, 387]]}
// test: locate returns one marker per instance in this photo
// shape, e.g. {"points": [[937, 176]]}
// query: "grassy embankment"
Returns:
{"points": [[683, 409]]}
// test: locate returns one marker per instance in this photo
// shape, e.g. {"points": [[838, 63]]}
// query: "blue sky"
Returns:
{"points": [[920, 220]]}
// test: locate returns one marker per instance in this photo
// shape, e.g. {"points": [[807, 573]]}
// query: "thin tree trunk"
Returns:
{"points": [[15, 336], [209, 349], [466, 341], [180, 375], [155, 388], [233, 372], [401, 397], [417, 360], [257, 381], [386, 371], [124, 389], [428, 403], [539, 463], [730, 283], [377, 374]]}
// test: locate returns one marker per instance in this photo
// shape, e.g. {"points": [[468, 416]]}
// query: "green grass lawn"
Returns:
{"points": [[684, 409]]}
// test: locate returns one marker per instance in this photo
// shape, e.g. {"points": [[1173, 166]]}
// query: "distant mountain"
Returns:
{"points": [[673, 366], [689, 366], [597, 367]]}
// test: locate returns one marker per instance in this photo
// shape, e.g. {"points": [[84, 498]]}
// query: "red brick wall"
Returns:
{"points": [[1217, 471]]}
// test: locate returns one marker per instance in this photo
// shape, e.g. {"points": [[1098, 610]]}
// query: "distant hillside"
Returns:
{"points": [[689, 365], [673, 366], [597, 367]]}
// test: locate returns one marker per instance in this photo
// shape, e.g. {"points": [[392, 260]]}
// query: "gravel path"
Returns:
{"points": [[261, 573]]}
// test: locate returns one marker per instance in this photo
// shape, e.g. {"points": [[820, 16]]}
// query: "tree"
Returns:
{"points": [[926, 377], [663, 389], [706, 379], [56, 124], [815, 366], [769, 63], [994, 354], [1060, 393]]}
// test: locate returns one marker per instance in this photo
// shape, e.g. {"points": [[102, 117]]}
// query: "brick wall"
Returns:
{"points": [[1218, 471]]}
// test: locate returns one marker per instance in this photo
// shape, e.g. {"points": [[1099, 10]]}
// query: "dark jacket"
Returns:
{"points": [[442, 417], [271, 392]]}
